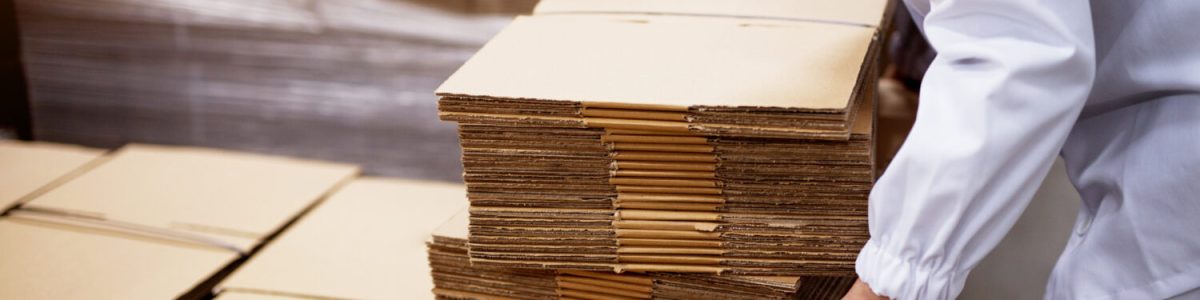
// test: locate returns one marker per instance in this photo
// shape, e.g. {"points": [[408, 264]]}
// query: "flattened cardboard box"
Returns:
{"points": [[40, 260], [228, 197], [29, 168], [367, 241], [766, 79], [574, 71], [656, 62]]}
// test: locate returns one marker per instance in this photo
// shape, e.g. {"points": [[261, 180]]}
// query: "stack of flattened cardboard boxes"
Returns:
{"points": [[717, 137], [456, 278], [147, 222], [668, 139]]}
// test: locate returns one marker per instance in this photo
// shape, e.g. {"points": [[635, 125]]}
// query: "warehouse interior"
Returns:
{"points": [[346, 88]]}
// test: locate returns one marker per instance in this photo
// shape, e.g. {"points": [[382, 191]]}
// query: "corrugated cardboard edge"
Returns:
{"points": [[838, 12]]}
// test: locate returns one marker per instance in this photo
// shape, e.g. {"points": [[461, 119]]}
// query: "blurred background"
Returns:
{"points": [[347, 80], [350, 81]]}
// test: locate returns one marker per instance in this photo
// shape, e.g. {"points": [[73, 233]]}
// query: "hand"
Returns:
{"points": [[860, 291]]}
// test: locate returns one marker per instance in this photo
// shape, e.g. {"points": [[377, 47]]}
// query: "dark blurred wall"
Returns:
{"points": [[347, 80], [15, 121], [482, 6]]}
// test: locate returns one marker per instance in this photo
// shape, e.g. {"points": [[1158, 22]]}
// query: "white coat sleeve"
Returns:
{"points": [[1008, 83]]}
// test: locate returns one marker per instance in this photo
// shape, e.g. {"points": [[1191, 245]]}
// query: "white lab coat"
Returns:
{"points": [[1113, 86]]}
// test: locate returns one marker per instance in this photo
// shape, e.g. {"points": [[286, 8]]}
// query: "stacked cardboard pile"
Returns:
{"points": [[243, 75], [668, 136], [456, 278], [367, 241], [152, 222], [509, 7]]}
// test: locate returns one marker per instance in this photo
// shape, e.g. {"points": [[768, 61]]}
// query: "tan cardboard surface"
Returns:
{"points": [[367, 241], [253, 296], [232, 196], [654, 60], [49, 261], [456, 227], [858, 12], [26, 167]]}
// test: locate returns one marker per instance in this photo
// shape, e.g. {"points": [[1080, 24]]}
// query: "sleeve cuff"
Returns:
{"points": [[891, 276]]}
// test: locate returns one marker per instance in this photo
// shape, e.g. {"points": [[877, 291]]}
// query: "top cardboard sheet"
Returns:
{"points": [[51, 261], [230, 196], [367, 241], [669, 60], [255, 296], [27, 167], [851, 12]]}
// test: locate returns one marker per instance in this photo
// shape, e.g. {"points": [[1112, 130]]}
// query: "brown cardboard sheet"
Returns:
{"points": [[811, 66], [367, 241], [856, 12], [633, 114], [237, 198], [664, 174], [655, 139], [31, 168], [40, 260]]}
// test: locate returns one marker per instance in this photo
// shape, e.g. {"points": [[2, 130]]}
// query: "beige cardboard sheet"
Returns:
{"points": [[457, 227], [660, 60], [254, 296], [231, 196], [367, 241], [857, 12], [49, 261], [27, 167]]}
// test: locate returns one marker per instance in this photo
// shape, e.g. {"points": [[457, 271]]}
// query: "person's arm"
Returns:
{"points": [[1008, 83]]}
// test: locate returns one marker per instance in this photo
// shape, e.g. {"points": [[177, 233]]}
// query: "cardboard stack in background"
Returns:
{"points": [[367, 241], [154, 222], [28, 169], [455, 278], [245, 74], [482, 6], [727, 137]]}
